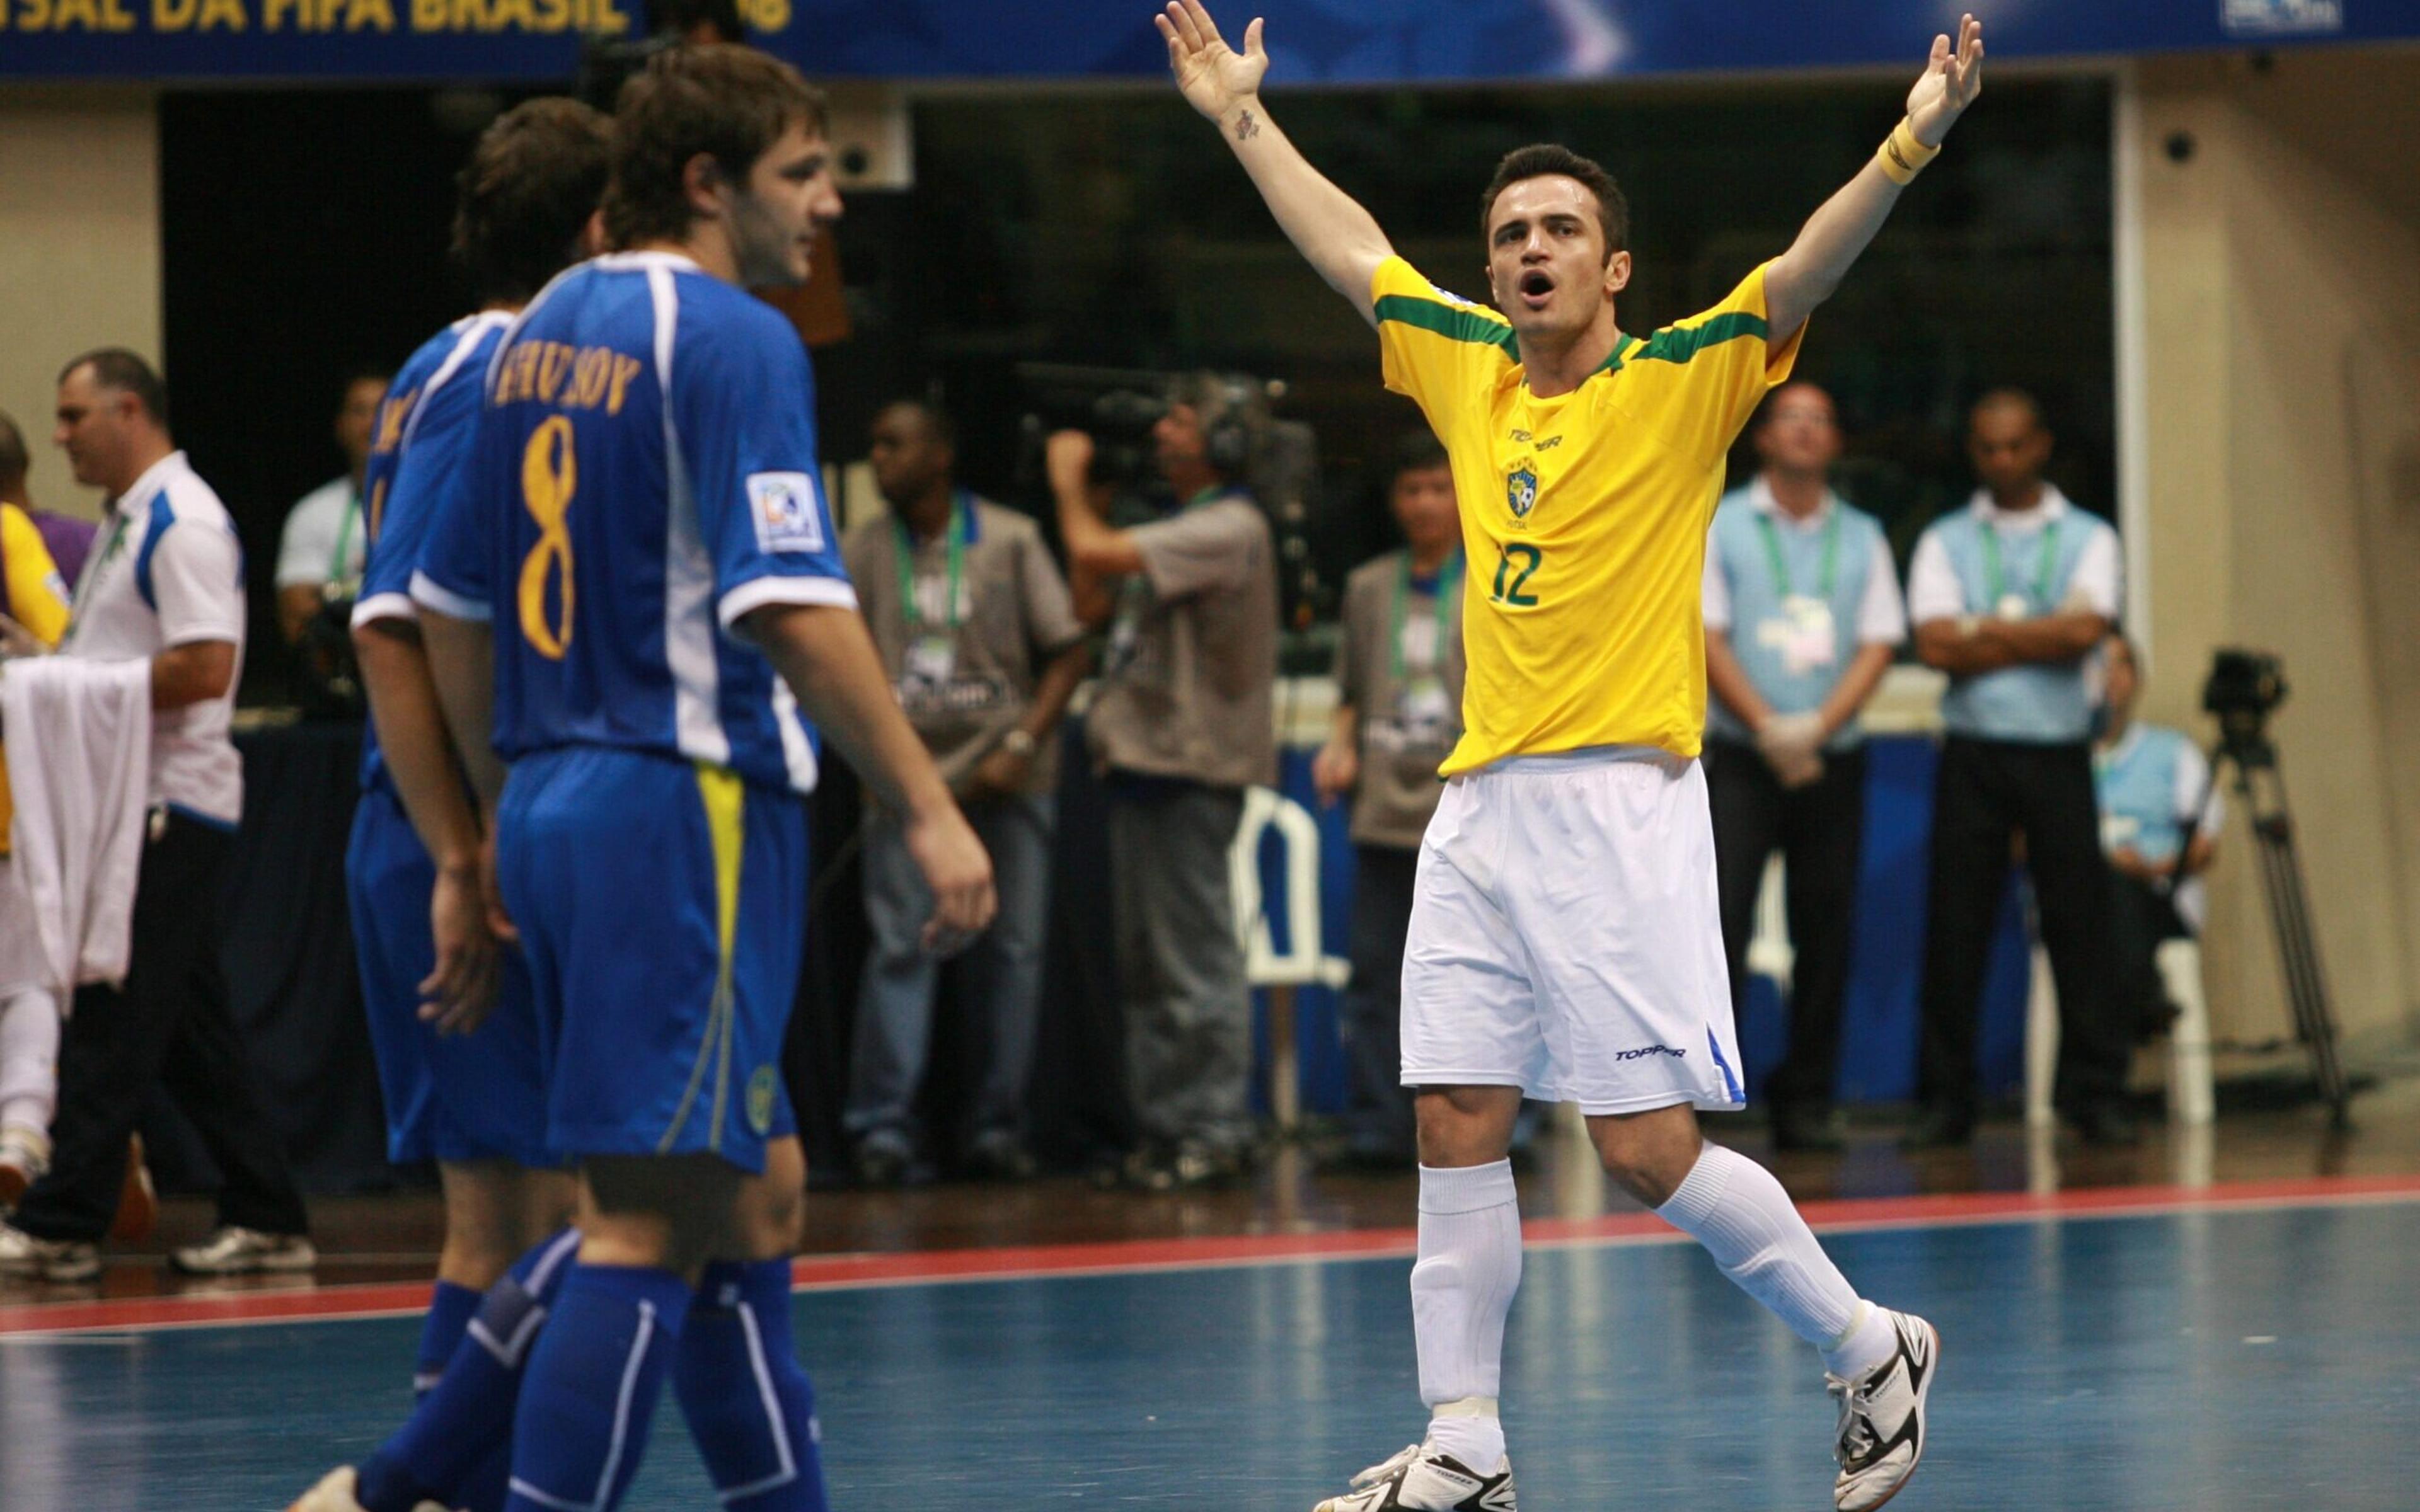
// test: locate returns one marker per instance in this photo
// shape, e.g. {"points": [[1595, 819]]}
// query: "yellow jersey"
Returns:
{"points": [[1583, 516], [35, 598]]}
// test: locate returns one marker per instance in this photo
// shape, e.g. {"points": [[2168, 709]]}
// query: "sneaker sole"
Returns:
{"points": [[255, 1265], [1921, 1394]]}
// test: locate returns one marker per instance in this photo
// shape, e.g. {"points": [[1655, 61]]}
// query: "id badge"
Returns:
{"points": [[1805, 634], [931, 659], [1420, 641], [2013, 606], [1424, 709], [2118, 830]]}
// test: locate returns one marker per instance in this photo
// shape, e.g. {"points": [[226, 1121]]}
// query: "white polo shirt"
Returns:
{"points": [[166, 571]]}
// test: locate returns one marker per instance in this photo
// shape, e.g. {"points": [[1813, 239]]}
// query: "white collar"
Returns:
{"points": [[154, 477], [1760, 497], [623, 261], [2054, 506]]}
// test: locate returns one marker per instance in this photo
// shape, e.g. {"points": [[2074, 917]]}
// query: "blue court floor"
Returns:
{"points": [[2267, 1357]]}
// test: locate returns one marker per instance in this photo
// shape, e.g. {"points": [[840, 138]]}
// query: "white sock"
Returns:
{"points": [[1740, 1213], [1461, 1287], [29, 1052]]}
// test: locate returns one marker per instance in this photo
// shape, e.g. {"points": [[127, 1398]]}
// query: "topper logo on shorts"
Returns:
{"points": [[782, 505], [1644, 1051]]}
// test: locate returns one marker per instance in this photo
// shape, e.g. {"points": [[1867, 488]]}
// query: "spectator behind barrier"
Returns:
{"points": [[320, 553], [2160, 820], [1183, 723], [972, 621]]}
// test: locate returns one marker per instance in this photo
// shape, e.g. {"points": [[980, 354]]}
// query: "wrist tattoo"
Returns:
{"points": [[1247, 128]]}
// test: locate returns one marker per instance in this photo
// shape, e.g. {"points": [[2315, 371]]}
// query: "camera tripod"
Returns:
{"points": [[2244, 741]]}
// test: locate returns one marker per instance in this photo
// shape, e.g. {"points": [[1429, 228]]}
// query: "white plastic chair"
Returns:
{"points": [[2191, 1098]]}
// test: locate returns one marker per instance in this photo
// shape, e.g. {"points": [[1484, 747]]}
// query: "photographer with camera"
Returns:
{"points": [[2159, 822], [2010, 595], [1183, 724], [973, 625]]}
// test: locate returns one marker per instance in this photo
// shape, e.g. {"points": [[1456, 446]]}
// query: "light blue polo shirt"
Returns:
{"points": [[1992, 563], [1798, 598]]}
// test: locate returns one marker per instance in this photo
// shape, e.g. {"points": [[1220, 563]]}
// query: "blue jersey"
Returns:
{"points": [[643, 475], [424, 428]]}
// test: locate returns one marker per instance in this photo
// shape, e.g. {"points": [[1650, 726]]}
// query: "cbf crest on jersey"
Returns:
{"points": [[1521, 493]]}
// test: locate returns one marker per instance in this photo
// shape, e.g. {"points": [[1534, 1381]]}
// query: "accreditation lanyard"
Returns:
{"points": [[1996, 587], [336, 572], [1772, 537], [960, 526], [1448, 582], [95, 571]]}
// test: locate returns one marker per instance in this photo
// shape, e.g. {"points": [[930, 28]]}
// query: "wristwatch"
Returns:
{"points": [[1017, 743]]}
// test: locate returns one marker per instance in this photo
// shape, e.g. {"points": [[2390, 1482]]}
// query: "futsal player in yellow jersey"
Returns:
{"points": [[1565, 939]]}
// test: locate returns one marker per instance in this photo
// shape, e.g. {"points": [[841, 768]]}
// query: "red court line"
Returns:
{"points": [[825, 1272]]}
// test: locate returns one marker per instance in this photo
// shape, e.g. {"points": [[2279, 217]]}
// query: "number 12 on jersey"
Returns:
{"points": [[1517, 562]]}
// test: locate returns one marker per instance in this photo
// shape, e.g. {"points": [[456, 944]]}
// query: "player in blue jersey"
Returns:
{"points": [[637, 588], [472, 1102]]}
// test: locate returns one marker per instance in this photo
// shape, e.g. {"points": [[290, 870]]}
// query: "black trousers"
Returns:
{"points": [[1378, 1119], [170, 1026], [1818, 830], [2141, 918], [1987, 791]]}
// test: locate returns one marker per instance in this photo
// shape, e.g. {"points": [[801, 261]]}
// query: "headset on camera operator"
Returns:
{"points": [[1181, 725]]}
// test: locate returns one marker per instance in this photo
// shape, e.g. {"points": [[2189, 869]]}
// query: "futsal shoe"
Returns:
{"points": [[47, 1259], [337, 1493], [1881, 1418], [1419, 1479], [232, 1251], [25, 1155]]}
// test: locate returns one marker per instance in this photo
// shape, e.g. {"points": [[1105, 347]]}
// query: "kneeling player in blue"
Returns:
{"points": [[635, 587]]}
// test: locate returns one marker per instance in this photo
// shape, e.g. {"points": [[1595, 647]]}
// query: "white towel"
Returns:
{"points": [[79, 749]]}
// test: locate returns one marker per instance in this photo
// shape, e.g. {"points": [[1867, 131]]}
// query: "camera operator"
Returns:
{"points": [[2151, 780], [2010, 595], [1183, 724]]}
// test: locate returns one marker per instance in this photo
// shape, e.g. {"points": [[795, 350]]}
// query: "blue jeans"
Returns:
{"points": [[999, 978]]}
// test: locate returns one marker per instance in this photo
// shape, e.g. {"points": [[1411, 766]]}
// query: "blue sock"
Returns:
{"points": [[589, 1397], [450, 1309], [749, 1404], [466, 1418]]}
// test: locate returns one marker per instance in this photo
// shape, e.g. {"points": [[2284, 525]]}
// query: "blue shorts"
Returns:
{"points": [[662, 906], [448, 1097]]}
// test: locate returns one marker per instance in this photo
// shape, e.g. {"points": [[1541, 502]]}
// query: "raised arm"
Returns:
{"points": [[1838, 234], [1330, 229]]}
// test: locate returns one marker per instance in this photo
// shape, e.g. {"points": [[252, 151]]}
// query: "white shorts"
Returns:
{"points": [[1566, 938]]}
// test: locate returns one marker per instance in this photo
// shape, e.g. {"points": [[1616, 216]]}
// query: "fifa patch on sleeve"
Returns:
{"points": [[782, 505]]}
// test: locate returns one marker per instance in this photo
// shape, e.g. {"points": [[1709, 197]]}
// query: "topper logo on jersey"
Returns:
{"points": [[782, 505], [1521, 493]]}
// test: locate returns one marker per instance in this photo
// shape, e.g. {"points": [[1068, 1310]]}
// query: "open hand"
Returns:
{"points": [[1949, 84], [1067, 462], [1213, 77], [457, 996]]}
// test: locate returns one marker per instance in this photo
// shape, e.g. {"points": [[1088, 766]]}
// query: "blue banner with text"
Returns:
{"points": [[1311, 41]]}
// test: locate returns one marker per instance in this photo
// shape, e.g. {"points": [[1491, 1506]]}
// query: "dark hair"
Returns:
{"points": [[937, 420], [1418, 453], [363, 373], [1540, 159], [15, 461], [730, 103], [115, 368], [530, 186]]}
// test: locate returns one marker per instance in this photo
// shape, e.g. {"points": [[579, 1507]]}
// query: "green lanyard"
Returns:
{"points": [[344, 539], [1772, 535], [1997, 586], [961, 525], [1448, 582], [93, 573]]}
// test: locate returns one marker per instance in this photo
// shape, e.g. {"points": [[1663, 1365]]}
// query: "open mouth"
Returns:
{"points": [[1536, 288]]}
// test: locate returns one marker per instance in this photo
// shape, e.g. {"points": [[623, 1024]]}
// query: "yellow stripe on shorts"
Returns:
{"points": [[724, 797]]}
